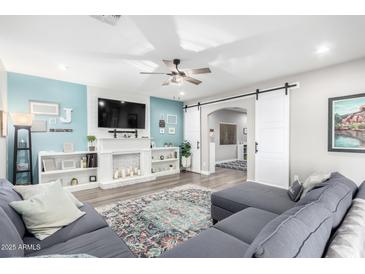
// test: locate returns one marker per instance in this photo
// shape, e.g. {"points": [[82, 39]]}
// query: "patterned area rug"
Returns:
{"points": [[238, 165], [157, 222]]}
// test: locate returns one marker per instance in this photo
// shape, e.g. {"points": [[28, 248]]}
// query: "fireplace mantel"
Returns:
{"points": [[108, 148]]}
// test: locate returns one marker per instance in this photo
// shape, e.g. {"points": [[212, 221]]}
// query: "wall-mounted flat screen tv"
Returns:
{"points": [[121, 114]]}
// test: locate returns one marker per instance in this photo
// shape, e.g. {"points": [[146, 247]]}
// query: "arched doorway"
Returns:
{"points": [[248, 105], [228, 139]]}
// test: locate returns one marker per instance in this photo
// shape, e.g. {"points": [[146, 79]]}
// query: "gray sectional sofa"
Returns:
{"points": [[89, 234], [260, 221], [252, 220]]}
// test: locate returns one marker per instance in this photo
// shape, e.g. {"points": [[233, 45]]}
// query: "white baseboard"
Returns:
{"points": [[204, 172]]}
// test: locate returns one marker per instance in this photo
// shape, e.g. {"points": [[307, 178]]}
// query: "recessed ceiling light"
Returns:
{"points": [[63, 67], [182, 93], [322, 49]]}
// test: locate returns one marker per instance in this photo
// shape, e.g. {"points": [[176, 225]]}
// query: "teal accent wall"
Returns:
{"points": [[23, 88], [158, 107]]}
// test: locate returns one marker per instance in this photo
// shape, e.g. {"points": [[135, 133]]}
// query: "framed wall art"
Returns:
{"points": [[346, 123], [227, 134]]}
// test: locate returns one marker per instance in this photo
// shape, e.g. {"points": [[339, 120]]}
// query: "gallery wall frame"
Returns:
{"points": [[171, 119], [346, 123], [44, 108]]}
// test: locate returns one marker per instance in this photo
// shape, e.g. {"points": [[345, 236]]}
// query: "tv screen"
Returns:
{"points": [[121, 114]]}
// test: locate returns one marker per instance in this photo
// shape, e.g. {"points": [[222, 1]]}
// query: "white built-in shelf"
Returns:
{"points": [[62, 171], [164, 148], [165, 160], [82, 186], [52, 153], [167, 172]]}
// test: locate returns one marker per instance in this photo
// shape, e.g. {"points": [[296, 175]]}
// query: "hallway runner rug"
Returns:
{"points": [[154, 223]]}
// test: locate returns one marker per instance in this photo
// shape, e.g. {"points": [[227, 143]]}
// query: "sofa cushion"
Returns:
{"points": [[302, 231], [361, 191], [219, 213], [250, 194], [211, 243], [7, 195], [246, 224], [90, 222], [336, 195], [10, 241], [102, 243]]}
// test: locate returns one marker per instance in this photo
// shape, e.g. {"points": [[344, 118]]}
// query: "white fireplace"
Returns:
{"points": [[123, 154]]}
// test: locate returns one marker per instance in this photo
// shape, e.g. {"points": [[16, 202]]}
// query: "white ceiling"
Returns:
{"points": [[240, 50]]}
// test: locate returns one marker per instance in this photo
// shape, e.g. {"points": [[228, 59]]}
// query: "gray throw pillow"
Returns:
{"points": [[295, 191]]}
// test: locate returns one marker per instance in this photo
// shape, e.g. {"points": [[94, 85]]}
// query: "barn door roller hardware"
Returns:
{"points": [[286, 87]]}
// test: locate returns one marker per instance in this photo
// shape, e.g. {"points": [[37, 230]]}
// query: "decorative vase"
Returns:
{"points": [[116, 174], [186, 161], [74, 181], [91, 148], [162, 157]]}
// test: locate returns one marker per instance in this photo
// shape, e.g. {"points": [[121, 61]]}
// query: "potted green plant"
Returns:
{"points": [[91, 140], [186, 154]]}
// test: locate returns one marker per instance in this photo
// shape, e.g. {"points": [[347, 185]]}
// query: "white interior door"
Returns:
{"points": [[272, 139], [192, 134]]}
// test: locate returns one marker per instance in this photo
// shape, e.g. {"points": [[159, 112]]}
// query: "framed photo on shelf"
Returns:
{"points": [[346, 123], [49, 164], [68, 164]]}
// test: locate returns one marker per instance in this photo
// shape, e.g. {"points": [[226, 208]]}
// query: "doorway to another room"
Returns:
{"points": [[228, 139]]}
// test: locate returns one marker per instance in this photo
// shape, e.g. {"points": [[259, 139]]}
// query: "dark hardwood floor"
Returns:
{"points": [[223, 178]]}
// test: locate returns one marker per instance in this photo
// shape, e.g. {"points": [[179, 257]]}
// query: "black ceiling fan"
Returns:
{"points": [[180, 75]]}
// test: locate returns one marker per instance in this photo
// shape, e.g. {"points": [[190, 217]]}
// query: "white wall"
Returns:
{"points": [[227, 152], [308, 119], [93, 93], [4, 107]]}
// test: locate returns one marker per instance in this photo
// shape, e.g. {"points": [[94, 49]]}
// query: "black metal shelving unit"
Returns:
{"points": [[17, 149]]}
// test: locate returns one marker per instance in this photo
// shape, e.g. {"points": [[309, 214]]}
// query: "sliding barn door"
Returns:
{"points": [[192, 134], [272, 139]]}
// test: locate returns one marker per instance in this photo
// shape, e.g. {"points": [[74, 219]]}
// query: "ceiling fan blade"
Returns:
{"points": [[170, 64], [164, 73], [197, 71], [192, 80], [166, 83]]}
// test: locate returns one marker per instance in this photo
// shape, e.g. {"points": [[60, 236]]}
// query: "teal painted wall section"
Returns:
{"points": [[158, 107], [22, 89]]}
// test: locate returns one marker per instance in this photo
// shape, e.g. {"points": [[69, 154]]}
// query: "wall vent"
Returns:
{"points": [[108, 19]]}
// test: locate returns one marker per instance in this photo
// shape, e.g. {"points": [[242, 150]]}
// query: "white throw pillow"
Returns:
{"points": [[314, 180], [29, 191], [47, 212], [349, 239]]}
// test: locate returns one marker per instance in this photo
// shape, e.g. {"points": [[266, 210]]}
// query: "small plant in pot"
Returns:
{"points": [[91, 139], [186, 154]]}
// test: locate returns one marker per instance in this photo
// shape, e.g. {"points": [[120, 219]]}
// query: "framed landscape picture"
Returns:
{"points": [[346, 123]]}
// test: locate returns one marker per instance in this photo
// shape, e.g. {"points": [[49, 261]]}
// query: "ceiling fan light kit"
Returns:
{"points": [[178, 76]]}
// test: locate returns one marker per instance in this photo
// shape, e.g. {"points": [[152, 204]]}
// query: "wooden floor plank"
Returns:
{"points": [[223, 178]]}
